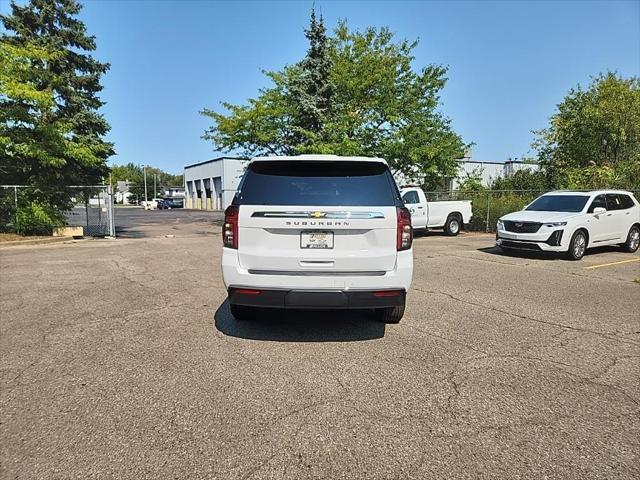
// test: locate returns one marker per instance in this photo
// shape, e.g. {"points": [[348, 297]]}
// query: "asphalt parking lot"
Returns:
{"points": [[120, 359]]}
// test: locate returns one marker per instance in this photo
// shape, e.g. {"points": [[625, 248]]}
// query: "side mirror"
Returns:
{"points": [[599, 210]]}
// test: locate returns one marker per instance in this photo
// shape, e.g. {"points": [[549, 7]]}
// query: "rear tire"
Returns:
{"points": [[577, 245], [633, 240], [390, 315], [242, 312], [453, 225]]}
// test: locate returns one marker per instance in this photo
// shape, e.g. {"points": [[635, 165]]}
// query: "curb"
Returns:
{"points": [[37, 241]]}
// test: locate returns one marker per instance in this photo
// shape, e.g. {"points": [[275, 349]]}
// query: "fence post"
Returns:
{"points": [[15, 199], [488, 209], [86, 210], [110, 212]]}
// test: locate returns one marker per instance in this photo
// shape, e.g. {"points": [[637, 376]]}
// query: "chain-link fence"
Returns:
{"points": [[25, 208], [489, 205]]}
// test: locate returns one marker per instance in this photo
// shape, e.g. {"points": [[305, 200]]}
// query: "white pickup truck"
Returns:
{"points": [[448, 215]]}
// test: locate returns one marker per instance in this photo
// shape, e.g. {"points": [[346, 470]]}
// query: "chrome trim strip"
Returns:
{"points": [[317, 273], [319, 215]]}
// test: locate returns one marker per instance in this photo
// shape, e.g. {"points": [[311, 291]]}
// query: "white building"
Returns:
{"points": [[211, 185], [173, 192], [122, 193], [489, 171]]}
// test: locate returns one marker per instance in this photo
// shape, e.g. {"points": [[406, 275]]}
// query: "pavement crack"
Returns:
{"points": [[447, 339], [612, 365], [256, 468], [528, 318], [558, 366], [454, 395]]}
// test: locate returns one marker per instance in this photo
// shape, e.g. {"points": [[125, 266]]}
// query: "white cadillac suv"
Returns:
{"points": [[317, 232], [571, 222]]}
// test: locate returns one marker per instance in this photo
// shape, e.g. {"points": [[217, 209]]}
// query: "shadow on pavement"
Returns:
{"points": [[301, 325], [430, 233], [533, 254], [126, 232]]}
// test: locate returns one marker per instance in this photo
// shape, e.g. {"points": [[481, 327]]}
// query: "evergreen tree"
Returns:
{"points": [[58, 141], [354, 93], [310, 89]]}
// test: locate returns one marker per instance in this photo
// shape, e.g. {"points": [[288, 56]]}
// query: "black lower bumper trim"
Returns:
{"points": [[519, 245], [316, 299], [554, 240]]}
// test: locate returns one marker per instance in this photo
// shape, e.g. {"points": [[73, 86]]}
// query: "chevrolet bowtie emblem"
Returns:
{"points": [[318, 214]]}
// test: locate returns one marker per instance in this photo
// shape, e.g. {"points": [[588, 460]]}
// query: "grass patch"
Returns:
{"points": [[12, 237]]}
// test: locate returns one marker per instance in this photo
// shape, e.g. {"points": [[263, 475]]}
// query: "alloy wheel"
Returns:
{"points": [[635, 239], [579, 245]]}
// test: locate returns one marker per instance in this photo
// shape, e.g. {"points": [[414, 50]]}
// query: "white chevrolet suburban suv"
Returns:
{"points": [[317, 232], [571, 222]]}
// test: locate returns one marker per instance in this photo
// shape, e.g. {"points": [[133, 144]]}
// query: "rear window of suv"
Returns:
{"points": [[339, 183]]}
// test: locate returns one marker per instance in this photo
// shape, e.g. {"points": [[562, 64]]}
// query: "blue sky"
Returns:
{"points": [[510, 62]]}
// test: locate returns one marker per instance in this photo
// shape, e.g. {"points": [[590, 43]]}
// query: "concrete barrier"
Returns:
{"points": [[68, 232]]}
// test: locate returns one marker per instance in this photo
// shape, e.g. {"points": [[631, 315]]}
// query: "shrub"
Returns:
{"points": [[499, 204], [36, 218], [7, 211], [521, 180]]}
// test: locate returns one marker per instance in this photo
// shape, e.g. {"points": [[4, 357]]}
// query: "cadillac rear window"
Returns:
{"points": [[339, 183]]}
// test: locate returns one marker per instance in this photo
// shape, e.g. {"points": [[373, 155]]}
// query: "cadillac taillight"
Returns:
{"points": [[230, 228], [405, 232]]}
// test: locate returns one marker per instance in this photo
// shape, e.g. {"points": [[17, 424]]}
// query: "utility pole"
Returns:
{"points": [[144, 171], [155, 189]]}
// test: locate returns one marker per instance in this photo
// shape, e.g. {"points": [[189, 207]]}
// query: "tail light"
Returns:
{"points": [[405, 232], [247, 291], [230, 228]]}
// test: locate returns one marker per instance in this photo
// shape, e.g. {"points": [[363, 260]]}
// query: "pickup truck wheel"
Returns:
{"points": [[242, 312], [390, 315], [452, 225], [633, 240], [577, 245]]}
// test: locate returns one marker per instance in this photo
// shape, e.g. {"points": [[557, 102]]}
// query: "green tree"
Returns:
{"points": [[123, 173], [134, 174], [593, 139], [472, 181], [372, 103], [521, 180], [310, 87], [51, 133]]}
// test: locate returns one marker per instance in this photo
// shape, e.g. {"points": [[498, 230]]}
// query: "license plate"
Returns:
{"points": [[316, 239]]}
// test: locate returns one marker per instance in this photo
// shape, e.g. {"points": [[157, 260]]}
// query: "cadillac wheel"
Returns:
{"points": [[633, 240], [578, 245]]}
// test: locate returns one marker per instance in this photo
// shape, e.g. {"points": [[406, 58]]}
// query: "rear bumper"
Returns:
{"points": [[399, 278], [316, 299]]}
